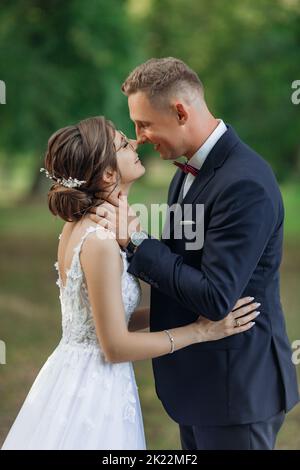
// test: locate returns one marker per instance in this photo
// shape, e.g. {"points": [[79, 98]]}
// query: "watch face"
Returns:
{"points": [[138, 237]]}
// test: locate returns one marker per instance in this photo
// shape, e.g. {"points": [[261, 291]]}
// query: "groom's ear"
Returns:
{"points": [[182, 114]]}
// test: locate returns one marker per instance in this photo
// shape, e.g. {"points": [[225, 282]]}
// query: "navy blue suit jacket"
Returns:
{"points": [[243, 378]]}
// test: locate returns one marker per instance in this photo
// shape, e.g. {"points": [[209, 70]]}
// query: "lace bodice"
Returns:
{"points": [[78, 326]]}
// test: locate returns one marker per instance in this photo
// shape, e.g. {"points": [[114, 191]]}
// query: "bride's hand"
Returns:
{"points": [[237, 321]]}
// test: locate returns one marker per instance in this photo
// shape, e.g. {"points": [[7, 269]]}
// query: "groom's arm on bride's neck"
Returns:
{"points": [[242, 222]]}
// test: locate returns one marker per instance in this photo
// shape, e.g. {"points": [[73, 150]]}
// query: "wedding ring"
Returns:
{"points": [[237, 323]]}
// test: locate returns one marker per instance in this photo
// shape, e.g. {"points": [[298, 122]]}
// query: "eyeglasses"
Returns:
{"points": [[125, 143]]}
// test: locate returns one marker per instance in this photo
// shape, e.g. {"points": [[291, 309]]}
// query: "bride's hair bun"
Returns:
{"points": [[82, 152], [68, 203]]}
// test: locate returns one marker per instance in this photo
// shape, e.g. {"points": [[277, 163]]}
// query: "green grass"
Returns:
{"points": [[30, 311]]}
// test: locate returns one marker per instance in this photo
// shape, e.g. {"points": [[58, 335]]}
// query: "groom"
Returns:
{"points": [[232, 393]]}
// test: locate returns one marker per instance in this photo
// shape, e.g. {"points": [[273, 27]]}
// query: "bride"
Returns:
{"points": [[85, 396]]}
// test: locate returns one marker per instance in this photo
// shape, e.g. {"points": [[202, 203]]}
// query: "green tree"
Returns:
{"points": [[61, 62]]}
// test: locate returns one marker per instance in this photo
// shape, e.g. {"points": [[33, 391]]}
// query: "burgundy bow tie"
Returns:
{"points": [[186, 168]]}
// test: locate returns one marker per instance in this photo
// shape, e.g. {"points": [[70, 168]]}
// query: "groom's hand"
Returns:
{"points": [[117, 216]]}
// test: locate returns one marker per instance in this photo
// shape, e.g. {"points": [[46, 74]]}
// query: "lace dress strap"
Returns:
{"points": [[103, 234], [106, 234], [75, 270], [90, 229]]}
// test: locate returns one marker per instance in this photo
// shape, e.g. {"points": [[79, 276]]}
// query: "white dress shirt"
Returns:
{"points": [[200, 156]]}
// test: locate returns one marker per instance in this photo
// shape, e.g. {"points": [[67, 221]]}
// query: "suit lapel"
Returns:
{"points": [[214, 160], [174, 191], [175, 187]]}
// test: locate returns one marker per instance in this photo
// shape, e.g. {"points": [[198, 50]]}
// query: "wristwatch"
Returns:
{"points": [[136, 239]]}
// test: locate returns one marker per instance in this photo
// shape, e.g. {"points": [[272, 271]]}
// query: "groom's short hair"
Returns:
{"points": [[162, 77]]}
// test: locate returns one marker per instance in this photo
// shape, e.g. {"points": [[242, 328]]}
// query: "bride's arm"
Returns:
{"points": [[102, 267], [139, 319]]}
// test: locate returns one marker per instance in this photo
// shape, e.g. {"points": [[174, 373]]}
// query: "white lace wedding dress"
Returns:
{"points": [[79, 400]]}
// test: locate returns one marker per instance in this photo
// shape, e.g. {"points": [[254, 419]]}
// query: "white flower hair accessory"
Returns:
{"points": [[67, 183]]}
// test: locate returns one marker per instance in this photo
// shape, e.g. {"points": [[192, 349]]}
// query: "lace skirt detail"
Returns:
{"points": [[80, 401]]}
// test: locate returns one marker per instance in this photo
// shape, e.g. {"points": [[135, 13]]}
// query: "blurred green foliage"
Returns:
{"points": [[64, 61]]}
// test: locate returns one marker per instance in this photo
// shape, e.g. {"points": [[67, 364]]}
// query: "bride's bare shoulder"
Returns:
{"points": [[100, 256], [100, 244]]}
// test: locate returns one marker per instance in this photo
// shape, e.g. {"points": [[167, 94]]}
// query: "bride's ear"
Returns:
{"points": [[109, 176]]}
